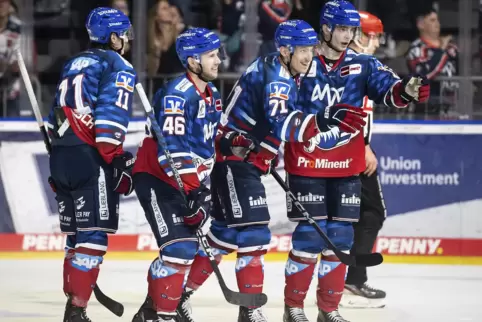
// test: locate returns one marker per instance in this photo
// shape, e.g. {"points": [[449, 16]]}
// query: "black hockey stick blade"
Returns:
{"points": [[110, 304], [364, 260]]}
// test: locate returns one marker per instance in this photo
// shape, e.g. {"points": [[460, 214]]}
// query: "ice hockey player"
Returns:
{"points": [[357, 292], [188, 109], [261, 110], [324, 173], [89, 168]]}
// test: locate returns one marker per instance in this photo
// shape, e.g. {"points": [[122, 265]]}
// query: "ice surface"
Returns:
{"points": [[31, 290]]}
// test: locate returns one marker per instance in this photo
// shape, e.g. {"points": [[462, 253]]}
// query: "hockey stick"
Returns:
{"points": [[364, 260], [236, 298], [113, 306]]}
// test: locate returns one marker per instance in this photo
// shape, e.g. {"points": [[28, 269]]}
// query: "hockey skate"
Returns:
{"points": [[362, 296], [251, 315], [294, 314], [75, 313], [184, 309], [147, 314], [333, 316]]}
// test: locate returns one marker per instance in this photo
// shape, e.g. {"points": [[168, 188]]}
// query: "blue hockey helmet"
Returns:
{"points": [[294, 33], [339, 13], [196, 41], [103, 21]]}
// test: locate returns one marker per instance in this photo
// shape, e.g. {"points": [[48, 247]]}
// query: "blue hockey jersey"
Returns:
{"points": [[188, 119], [335, 153], [93, 102], [263, 103]]}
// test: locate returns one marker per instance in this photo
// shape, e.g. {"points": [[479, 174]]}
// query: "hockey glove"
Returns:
{"points": [[198, 207], [412, 88], [123, 164], [236, 144], [264, 160], [348, 118]]}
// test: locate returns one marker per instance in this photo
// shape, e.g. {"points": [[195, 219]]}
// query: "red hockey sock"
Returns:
{"points": [[331, 282], [81, 273], [69, 254], [165, 285], [250, 272], [200, 270], [298, 275]]}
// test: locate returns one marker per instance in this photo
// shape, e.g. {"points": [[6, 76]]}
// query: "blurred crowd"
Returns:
{"points": [[414, 40]]}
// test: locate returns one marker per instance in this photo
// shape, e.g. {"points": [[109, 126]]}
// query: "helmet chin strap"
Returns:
{"points": [[200, 74]]}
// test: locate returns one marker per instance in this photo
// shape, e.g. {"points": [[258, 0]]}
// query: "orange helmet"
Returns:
{"points": [[370, 24]]}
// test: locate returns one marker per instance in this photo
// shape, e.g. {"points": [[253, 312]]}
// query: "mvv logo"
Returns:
{"points": [[331, 94]]}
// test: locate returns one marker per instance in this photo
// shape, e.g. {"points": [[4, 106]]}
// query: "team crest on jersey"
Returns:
{"points": [[125, 80], [201, 112], [353, 69], [329, 140], [279, 90], [174, 105]]}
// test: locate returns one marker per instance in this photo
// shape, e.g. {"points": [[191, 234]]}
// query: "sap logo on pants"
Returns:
{"points": [[326, 267], [159, 270], [294, 267], [85, 262]]}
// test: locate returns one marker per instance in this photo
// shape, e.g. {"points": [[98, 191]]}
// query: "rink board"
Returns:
{"points": [[430, 174]]}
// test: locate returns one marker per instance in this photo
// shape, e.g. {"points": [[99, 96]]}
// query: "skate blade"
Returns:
{"points": [[352, 301]]}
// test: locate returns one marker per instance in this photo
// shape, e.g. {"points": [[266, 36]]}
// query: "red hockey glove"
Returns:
{"points": [[348, 118], [236, 144], [198, 207], [264, 160], [123, 164], [412, 88]]}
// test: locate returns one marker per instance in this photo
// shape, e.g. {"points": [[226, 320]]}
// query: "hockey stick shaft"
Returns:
{"points": [[110, 304], [232, 297], [33, 99], [350, 260]]}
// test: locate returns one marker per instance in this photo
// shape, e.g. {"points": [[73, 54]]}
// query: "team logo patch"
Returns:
{"points": [[174, 105], [201, 112], [125, 80], [279, 90]]}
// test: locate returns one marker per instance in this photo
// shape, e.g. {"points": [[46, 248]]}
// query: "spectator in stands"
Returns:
{"points": [[121, 5], [164, 25], [434, 55], [9, 77], [271, 14], [232, 28]]}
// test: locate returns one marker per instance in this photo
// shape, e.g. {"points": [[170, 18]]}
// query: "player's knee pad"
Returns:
{"points": [[181, 252], [91, 242], [253, 239], [222, 237], [341, 234], [306, 239]]}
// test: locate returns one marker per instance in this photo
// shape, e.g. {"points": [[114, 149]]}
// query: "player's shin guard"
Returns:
{"points": [[250, 272], [166, 282], [80, 275], [69, 254], [201, 268], [298, 274], [331, 282]]}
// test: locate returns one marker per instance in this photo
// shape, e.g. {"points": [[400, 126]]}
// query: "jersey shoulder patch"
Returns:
{"points": [[125, 80], [183, 85]]}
